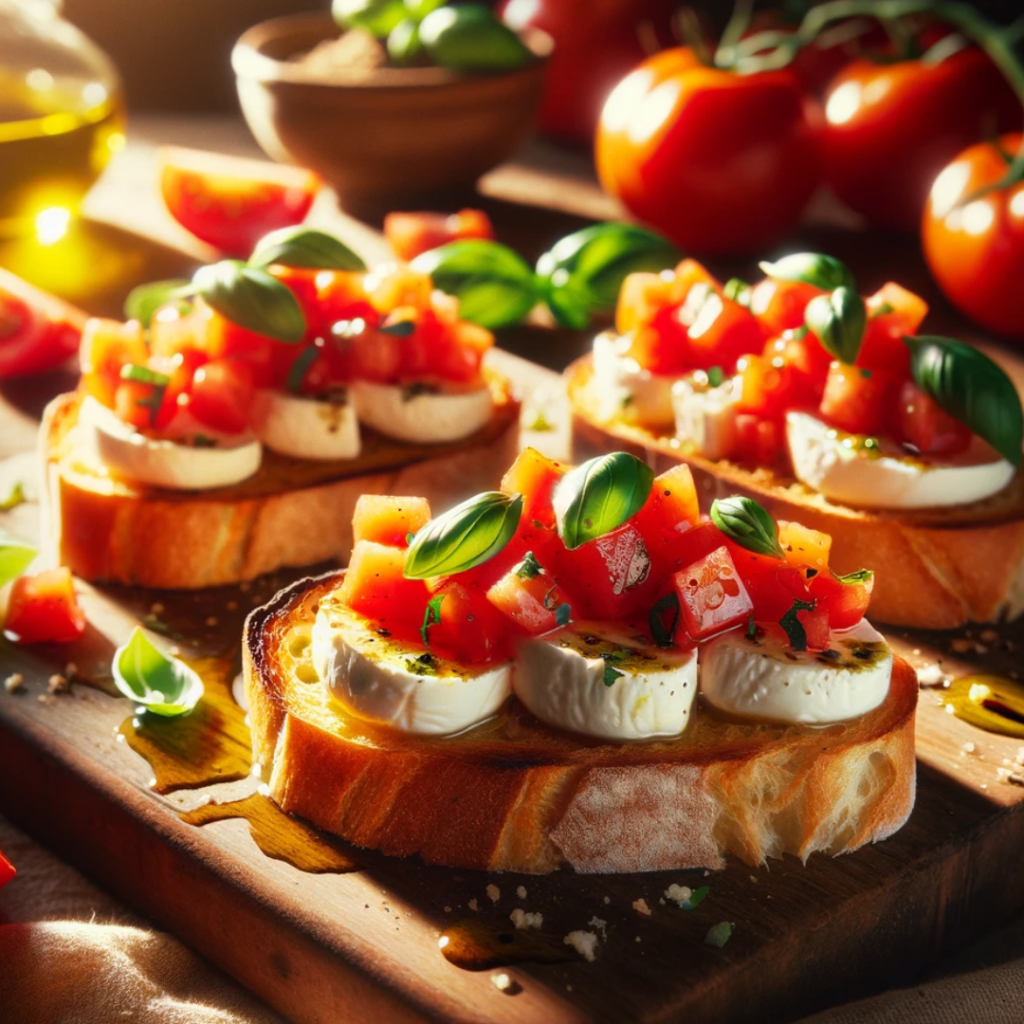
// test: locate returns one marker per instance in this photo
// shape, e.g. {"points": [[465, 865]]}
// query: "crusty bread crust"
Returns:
{"points": [[292, 512], [515, 795], [938, 568]]}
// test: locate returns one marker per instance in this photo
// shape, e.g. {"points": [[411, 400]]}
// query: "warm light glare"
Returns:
{"points": [[442, 942], [654, 111], [977, 217], [52, 224], [1017, 203], [624, 99], [39, 79], [948, 188], [94, 94], [843, 103]]}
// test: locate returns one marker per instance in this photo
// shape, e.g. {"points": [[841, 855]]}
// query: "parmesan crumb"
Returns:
{"points": [[473, 905], [585, 943], [599, 926], [525, 919], [678, 894], [640, 906], [1009, 776], [212, 620], [503, 983], [968, 748], [521, 892], [14, 683], [493, 893]]}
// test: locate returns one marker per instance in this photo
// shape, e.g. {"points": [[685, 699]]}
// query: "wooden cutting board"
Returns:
{"points": [[363, 945]]}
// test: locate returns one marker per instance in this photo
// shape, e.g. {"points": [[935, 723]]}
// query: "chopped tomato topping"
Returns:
{"points": [[464, 626], [845, 603], [712, 597], [44, 607], [780, 305], [926, 426], [221, 395], [385, 519], [7, 871], [106, 346], [534, 476], [803, 547], [375, 586], [859, 400], [413, 233], [528, 595]]}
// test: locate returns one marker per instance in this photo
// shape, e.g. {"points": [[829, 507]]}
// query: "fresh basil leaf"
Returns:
{"points": [[662, 633], [431, 617], [144, 300], [495, 286], [838, 321], [297, 371], [744, 521], [15, 497], [696, 897], [529, 567], [611, 674], [716, 376], [563, 613], [144, 674], [251, 298], [971, 388], [581, 275], [719, 934], [794, 628], [16, 555], [304, 248], [599, 496], [144, 375], [465, 536], [814, 268], [858, 576], [378, 17]]}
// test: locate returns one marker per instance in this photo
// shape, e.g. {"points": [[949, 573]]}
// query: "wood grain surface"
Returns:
{"points": [[363, 946]]}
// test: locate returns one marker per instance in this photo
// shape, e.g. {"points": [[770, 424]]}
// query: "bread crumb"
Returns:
{"points": [[599, 926], [447, 910], [45, 698], [212, 620], [521, 892], [525, 919], [931, 675], [968, 748], [640, 906], [71, 670], [474, 906], [14, 683], [503, 983], [57, 684], [679, 894], [608, 899], [493, 893], [585, 943], [1009, 776]]}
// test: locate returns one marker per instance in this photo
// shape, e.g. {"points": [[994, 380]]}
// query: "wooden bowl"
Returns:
{"points": [[395, 137]]}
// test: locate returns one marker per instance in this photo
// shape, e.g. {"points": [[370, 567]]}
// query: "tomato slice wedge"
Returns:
{"points": [[232, 202], [38, 331]]}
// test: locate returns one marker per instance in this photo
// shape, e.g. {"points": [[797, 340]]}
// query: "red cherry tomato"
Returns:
{"points": [[891, 127], [221, 395], [44, 608], [38, 331], [410, 234], [596, 45], [975, 250], [720, 162], [231, 202]]}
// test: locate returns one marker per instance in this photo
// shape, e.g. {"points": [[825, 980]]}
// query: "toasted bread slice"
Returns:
{"points": [[514, 795], [292, 512], [943, 567]]}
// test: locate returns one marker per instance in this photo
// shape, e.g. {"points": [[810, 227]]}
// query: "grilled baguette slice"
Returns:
{"points": [[514, 795], [941, 568], [292, 512]]}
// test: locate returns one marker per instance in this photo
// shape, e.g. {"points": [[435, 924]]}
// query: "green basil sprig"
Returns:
{"points": [[814, 268], [794, 628], [582, 273], [599, 496], [252, 298], [16, 555], [465, 536], [744, 521], [838, 321], [495, 286], [305, 248], [859, 577], [143, 301], [147, 676], [971, 388]]}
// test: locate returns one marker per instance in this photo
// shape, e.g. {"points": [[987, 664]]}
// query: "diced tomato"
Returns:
{"points": [[805, 364], [923, 423], [641, 297], [341, 295], [471, 630], [392, 287], [231, 202], [759, 442], [106, 346], [221, 395], [459, 352], [712, 597], [375, 586], [376, 355], [534, 476], [38, 331], [780, 305], [815, 621], [138, 403], [302, 282], [723, 331], [385, 519], [7, 871], [858, 400], [765, 388], [893, 313], [410, 234], [181, 369], [530, 601], [44, 608], [845, 603], [670, 512], [772, 583], [803, 547], [691, 546]]}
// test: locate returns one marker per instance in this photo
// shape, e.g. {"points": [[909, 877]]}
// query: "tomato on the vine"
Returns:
{"points": [[721, 162], [975, 247], [891, 127]]}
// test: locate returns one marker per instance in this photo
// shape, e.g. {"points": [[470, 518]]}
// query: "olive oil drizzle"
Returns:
{"points": [[993, 703], [479, 945]]}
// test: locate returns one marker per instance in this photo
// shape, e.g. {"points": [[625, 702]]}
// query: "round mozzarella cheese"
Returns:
{"points": [[588, 679], [381, 681], [841, 468], [705, 416], [165, 462], [762, 678], [306, 428], [421, 415], [624, 390]]}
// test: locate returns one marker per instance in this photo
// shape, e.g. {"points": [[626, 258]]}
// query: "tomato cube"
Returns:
{"points": [[712, 597], [924, 424], [760, 442], [391, 287], [815, 622], [534, 476], [385, 519], [844, 603], [106, 346], [413, 233], [44, 608], [780, 305], [529, 597], [893, 313], [375, 586], [723, 331], [764, 385], [462, 625], [641, 297], [221, 395], [858, 400], [803, 547], [772, 583]]}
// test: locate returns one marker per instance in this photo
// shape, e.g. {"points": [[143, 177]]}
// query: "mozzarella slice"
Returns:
{"points": [[705, 416], [306, 428], [588, 679], [381, 681], [840, 467], [624, 390], [165, 462], [763, 678], [421, 414]]}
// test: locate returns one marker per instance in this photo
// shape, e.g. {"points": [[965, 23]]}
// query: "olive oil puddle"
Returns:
{"points": [[476, 945], [993, 703]]}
